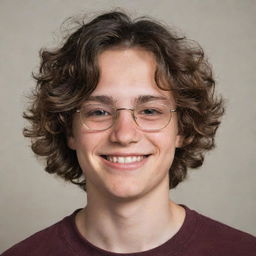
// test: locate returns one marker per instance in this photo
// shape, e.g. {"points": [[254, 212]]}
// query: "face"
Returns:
{"points": [[125, 162]]}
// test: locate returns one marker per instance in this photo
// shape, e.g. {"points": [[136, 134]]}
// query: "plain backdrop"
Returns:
{"points": [[223, 189]]}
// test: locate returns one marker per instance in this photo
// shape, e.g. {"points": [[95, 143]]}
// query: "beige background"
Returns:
{"points": [[223, 189]]}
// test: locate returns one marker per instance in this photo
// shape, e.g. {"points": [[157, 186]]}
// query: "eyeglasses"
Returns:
{"points": [[150, 116]]}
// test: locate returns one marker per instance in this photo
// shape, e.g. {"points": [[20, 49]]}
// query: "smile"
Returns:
{"points": [[124, 160]]}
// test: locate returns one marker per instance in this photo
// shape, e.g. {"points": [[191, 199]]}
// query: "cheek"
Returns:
{"points": [[164, 141], [88, 146], [87, 143], [165, 144], [83, 140]]}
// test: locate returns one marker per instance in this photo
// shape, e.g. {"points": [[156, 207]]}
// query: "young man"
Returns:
{"points": [[122, 109]]}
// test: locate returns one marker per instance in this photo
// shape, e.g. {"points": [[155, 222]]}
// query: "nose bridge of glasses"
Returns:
{"points": [[129, 109]]}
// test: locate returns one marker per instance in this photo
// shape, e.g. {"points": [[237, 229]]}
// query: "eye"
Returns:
{"points": [[150, 112], [97, 112]]}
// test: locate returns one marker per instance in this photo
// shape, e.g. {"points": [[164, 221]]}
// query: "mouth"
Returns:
{"points": [[124, 159]]}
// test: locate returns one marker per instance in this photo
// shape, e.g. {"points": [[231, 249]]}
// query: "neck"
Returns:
{"points": [[126, 227]]}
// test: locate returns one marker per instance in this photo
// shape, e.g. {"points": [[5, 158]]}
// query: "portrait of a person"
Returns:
{"points": [[123, 109]]}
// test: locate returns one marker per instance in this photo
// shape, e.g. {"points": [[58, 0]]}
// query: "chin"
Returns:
{"points": [[125, 193]]}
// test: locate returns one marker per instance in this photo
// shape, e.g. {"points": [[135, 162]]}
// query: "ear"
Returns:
{"points": [[179, 141], [71, 142]]}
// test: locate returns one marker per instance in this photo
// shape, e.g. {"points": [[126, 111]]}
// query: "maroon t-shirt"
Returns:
{"points": [[198, 236]]}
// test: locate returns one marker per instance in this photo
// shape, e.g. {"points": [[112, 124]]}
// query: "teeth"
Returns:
{"points": [[125, 160]]}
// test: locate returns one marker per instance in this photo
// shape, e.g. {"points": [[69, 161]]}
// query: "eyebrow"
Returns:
{"points": [[102, 99], [139, 100], [146, 98]]}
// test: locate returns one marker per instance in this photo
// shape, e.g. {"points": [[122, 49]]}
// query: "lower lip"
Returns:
{"points": [[125, 166]]}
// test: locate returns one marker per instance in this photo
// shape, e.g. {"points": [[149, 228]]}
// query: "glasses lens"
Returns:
{"points": [[97, 116], [152, 116]]}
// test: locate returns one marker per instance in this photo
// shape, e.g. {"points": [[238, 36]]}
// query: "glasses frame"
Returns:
{"points": [[116, 116]]}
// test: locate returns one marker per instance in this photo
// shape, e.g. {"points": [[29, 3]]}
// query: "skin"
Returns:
{"points": [[125, 202]]}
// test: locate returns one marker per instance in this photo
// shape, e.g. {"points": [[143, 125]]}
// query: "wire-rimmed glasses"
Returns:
{"points": [[150, 116]]}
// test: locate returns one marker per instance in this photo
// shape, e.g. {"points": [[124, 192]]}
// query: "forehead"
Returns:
{"points": [[128, 73]]}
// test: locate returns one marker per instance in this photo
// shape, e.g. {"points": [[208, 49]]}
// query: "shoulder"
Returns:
{"points": [[49, 241], [221, 238]]}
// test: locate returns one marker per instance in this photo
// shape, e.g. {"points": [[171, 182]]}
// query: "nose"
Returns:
{"points": [[124, 130]]}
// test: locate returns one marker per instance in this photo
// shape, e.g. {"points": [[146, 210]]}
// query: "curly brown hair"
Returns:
{"points": [[70, 73]]}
